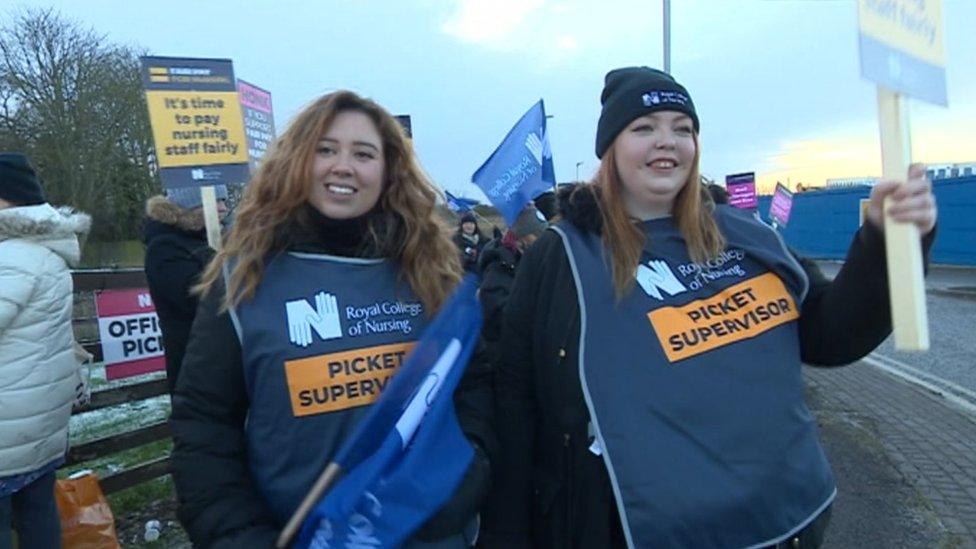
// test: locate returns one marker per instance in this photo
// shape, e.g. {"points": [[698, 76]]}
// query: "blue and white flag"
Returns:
{"points": [[520, 169], [408, 455], [459, 204]]}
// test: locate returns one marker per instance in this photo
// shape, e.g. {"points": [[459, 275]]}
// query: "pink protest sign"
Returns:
{"points": [[259, 126], [781, 205], [742, 190], [132, 341]]}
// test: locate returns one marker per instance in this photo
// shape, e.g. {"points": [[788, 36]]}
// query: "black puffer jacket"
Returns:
{"points": [[176, 254], [555, 492], [497, 268], [219, 505]]}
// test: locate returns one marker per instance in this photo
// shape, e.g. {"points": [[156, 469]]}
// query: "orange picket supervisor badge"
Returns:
{"points": [[738, 312], [347, 379]]}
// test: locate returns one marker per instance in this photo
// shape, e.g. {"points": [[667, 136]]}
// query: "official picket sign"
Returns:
{"points": [[132, 341]]}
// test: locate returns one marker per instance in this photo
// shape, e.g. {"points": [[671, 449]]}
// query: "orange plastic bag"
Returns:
{"points": [[86, 518]]}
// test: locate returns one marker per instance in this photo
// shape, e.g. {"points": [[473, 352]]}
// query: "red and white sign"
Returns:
{"points": [[132, 341]]}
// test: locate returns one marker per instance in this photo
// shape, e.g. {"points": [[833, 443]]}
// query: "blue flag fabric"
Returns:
{"points": [[521, 168], [459, 204], [408, 455]]}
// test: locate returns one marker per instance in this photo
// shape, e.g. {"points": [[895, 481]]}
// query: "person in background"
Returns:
{"points": [[717, 193], [335, 255], [469, 241], [546, 202], [649, 391], [497, 268], [176, 254], [39, 374]]}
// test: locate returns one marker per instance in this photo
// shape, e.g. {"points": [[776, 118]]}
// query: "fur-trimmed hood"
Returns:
{"points": [[158, 208], [577, 204], [59, 229]]}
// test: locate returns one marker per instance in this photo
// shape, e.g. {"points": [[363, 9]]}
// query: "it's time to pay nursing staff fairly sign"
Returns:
{"points": [[901, 47], [196, 121]]}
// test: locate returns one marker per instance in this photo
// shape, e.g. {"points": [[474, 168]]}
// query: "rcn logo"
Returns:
{"points": [[650, 99], [657, 276], [303, 319], [538, 145]]}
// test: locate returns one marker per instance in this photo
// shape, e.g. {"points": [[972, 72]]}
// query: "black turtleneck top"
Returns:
{"points": [[313, 232]]}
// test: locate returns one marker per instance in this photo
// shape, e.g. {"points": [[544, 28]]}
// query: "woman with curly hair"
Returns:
{"points": [[333, 267]]}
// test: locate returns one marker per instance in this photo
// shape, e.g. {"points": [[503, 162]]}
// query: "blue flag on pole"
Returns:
{"points": [[408, 455], [459, 204], [520, 169]]}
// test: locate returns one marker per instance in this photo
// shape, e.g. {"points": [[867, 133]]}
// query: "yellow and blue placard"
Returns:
{"points": [[196, 121], [901, 47]]}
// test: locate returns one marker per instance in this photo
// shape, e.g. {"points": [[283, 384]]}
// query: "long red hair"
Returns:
{"points": [[623, 239]]}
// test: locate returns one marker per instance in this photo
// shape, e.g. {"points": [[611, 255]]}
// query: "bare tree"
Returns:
{"points": [[74, 103]]}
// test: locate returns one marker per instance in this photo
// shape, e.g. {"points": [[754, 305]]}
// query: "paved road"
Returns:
{"points": [[904, 458], [940, 277], [952, 354], [900, 431], [950, 364]]}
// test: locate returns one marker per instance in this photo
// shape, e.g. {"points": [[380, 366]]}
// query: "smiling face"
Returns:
{"points": [[654, 156], [348, 167]]}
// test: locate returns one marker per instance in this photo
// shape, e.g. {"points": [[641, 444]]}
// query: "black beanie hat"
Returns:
{"points": [[18, 181], [632, 92]]}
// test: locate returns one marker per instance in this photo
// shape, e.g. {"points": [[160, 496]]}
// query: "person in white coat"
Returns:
{"points": [[38, 369]]}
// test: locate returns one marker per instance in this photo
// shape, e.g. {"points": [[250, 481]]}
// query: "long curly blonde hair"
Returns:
{"points": [[403, 225]]}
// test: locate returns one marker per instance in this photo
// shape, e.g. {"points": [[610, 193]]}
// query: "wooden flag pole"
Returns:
{"points": [[210, 216], [906, 283], [318, 490]]}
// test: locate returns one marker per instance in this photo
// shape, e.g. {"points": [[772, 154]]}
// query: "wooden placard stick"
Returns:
{"points": [[319, 489], [210, 216], [906, 283]]}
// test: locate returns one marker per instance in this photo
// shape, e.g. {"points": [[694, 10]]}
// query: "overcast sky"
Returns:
{"points": [[776, 82]]}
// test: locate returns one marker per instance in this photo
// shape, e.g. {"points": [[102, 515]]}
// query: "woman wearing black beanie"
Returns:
{"points": [[470, 241], [649, 385]]}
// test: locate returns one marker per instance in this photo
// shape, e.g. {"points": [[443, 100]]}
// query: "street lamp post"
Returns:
{"points": [[667, 36], [578, 164]]}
